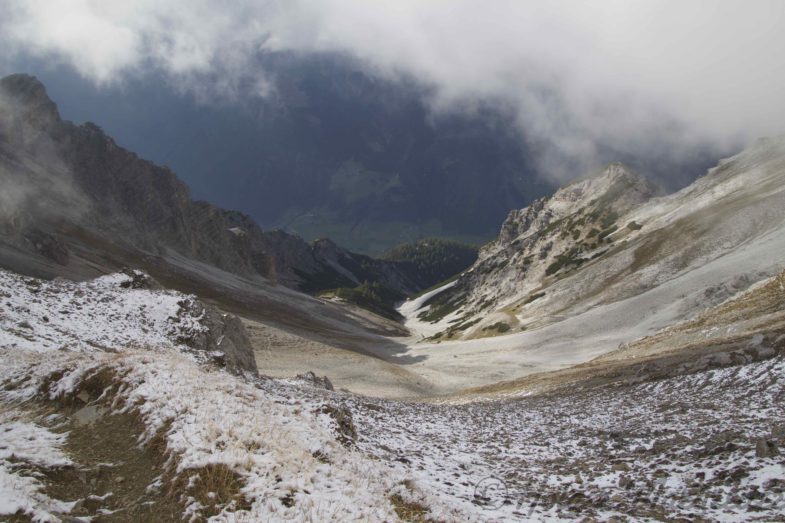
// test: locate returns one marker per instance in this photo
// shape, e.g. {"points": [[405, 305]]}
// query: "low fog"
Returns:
{"points": [[36, 187], [585, 83]]}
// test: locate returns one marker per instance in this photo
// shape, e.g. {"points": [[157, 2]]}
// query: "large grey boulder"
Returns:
{"points": [[224, 340]]}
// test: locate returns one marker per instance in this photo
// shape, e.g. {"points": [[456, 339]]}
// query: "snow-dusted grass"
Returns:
{"points": [[98, 314], [681, 447], [268, 450], [283, 447], [26, 447]]}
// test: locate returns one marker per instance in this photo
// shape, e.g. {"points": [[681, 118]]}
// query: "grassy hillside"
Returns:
{"points": [[374, 297]]}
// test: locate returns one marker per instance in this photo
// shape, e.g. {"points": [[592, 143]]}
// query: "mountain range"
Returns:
{"points": [[79, 204], [616, 353], [335, 150]]}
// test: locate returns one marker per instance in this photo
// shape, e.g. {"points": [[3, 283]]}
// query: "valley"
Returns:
{"points": [[615, 354]]}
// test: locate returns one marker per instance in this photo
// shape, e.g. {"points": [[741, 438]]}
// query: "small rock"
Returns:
{"points": [[773, 483], [765, 448], [89, 414], [322, 382], [625, 482], [754, 493], [138, 280], [620, 467]]}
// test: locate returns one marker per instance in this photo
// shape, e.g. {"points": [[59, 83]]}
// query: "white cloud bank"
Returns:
{"points": [[580, 77]]}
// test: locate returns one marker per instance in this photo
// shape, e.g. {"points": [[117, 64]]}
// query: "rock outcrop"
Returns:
{"points": [[224, 339]]}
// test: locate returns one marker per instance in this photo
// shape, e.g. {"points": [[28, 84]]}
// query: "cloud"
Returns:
{"points": [[582, 79]]}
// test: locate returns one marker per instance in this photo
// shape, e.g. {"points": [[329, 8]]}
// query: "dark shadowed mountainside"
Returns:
{"points": [[332, 151], [74, 203]]}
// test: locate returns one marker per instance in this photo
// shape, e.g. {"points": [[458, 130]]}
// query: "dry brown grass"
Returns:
{"points": [[409, 511], [215, 486], [104, 383], [157, 443]]}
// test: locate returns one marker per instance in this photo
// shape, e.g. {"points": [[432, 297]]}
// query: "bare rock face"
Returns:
{"points": [[548, 239], [766, 448], [48, 246], [225, 340], [139, 280], [27, 110], [214, 336]]}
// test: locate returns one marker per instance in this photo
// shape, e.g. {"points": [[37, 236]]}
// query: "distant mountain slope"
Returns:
{"points": [[331, 151], [432, 260], [79, 204], [608, 238]]}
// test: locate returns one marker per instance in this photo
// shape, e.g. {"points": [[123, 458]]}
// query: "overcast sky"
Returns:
{"points": [[577, 75]]}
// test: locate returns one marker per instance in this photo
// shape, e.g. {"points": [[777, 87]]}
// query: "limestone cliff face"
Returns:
{"points": [[556, 234], [611, 238], [71, 188], [551, 238]]}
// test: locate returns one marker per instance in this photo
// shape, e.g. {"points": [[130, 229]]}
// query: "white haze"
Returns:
{"points": [[638, 77]]}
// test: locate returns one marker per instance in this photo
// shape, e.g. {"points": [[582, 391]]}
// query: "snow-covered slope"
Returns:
{"points": [[606, 241], [240, 448], [87, 350]]}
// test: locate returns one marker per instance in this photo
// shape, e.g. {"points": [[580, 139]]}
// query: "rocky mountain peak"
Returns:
{"points": [[553, 237], [615, 184], [68, 177], [619, 170], [28, 96], [612, 191]]}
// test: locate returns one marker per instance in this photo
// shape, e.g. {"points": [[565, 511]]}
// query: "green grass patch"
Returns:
{"points": [[568, 259], [532, 297], [465, 325], [374, 297], [607, 232], [500, 327], [438, 312]]}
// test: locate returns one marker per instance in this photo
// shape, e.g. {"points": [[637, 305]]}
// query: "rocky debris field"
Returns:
{"points": [[701, 447]]}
